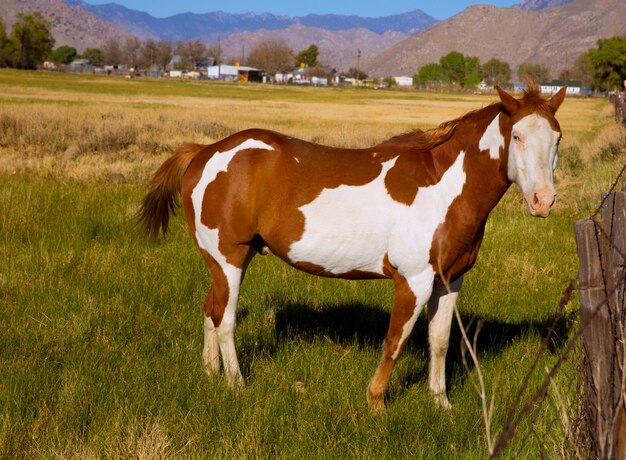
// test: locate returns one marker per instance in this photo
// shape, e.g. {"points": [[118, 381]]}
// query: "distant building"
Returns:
{"points": [[404, 81], [573, 86], [80, 65], [298, 76], [242, 74]]}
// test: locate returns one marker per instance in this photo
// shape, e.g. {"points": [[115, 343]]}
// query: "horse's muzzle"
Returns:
{"points": [[540, 202]]}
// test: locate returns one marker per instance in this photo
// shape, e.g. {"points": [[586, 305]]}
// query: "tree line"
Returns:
{"points": [[30, 43], [602, 68]]}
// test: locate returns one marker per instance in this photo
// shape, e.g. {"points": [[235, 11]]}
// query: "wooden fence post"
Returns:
{"points": [[601, 246]]}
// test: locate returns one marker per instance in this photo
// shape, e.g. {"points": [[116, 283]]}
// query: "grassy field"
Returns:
{"points": [[101, 330]]}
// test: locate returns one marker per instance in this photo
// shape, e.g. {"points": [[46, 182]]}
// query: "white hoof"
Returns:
{"points": [[441, 400]]}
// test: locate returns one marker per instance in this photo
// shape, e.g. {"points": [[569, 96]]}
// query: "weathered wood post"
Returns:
{"points": [[601, 248]]}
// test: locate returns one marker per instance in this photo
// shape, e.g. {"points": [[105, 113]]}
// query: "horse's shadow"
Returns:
{"points": [[365, 326]]}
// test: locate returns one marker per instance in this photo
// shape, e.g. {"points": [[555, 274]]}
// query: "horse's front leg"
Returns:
{"points": [[440, 310], [411, 294]]}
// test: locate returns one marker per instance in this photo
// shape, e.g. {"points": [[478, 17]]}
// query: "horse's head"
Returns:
{"points": [[533, 142]]}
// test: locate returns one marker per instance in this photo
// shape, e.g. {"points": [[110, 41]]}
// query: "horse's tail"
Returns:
{"points": [[163, 193]]}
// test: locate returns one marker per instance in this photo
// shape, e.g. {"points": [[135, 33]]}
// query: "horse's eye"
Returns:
{"points": [[515, 137]]}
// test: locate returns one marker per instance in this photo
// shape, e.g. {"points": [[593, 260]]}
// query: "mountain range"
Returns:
{"points": [[550, 32], [553, 36], [209, 26]]}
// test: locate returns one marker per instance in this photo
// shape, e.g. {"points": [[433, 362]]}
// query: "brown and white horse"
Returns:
{"points": [[412, 209]]}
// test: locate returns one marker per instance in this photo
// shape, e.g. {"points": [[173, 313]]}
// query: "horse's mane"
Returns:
{"points": [[531, 97], [423, 140], [426, 140]]}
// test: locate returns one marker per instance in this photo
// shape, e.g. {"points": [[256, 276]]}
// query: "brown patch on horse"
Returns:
{"points": [[410, 172], [452, 255], [416, 166], [217, 299]]}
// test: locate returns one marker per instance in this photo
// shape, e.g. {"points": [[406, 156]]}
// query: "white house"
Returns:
{"points": [[573, 86], [404, 81], [234, 73]]}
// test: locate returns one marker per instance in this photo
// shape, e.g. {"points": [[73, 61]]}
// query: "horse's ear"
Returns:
{"points": [[510, 103], [556, 100]]}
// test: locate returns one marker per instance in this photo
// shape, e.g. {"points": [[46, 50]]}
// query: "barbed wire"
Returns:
{"points": [[611, 190], [517, 415]]}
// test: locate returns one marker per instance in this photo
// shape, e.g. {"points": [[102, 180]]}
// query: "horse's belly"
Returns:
{"points": [[345, 231], [340, 250]]}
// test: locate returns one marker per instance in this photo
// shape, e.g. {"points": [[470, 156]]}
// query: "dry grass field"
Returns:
{"points": [[85, 127], [101, 330]]}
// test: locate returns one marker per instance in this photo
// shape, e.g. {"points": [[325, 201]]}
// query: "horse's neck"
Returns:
{"points": [[486, 176]]}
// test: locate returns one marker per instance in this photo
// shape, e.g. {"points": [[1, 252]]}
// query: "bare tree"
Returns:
{"points": [[164, 53], [192, 52], [148, 53], [273, 56], [533, 72], [132, 47], [112, 52]]}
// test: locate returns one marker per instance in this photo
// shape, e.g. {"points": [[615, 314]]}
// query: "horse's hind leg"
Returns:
{"points": [[440, 310], [220, 308]]}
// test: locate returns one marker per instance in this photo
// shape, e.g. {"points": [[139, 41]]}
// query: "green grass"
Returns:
{"points": [[101, 332], [99, 85]]}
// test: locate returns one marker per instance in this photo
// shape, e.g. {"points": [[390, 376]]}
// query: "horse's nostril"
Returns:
{"points": [[535, 199]]}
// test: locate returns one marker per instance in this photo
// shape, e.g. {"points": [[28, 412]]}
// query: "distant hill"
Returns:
{"points": [[70, 25], [554, 36], [209, 26]]}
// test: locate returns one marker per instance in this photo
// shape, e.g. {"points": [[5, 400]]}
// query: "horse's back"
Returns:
{"points": [[252, 187]]}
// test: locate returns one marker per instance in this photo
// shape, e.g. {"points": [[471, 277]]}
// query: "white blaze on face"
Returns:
{"points": [[532, 160]]}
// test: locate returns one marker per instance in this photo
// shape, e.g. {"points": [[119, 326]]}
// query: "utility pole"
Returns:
{"points": [[219, 58], [358, 63]]}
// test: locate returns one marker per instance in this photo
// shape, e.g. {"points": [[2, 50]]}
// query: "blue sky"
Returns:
{"points": [[440, 9]]}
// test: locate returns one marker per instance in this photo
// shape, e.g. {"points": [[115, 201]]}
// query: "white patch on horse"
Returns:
{"points": [[352, 228], [492, 139], [211, 348], [341, 231]]}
